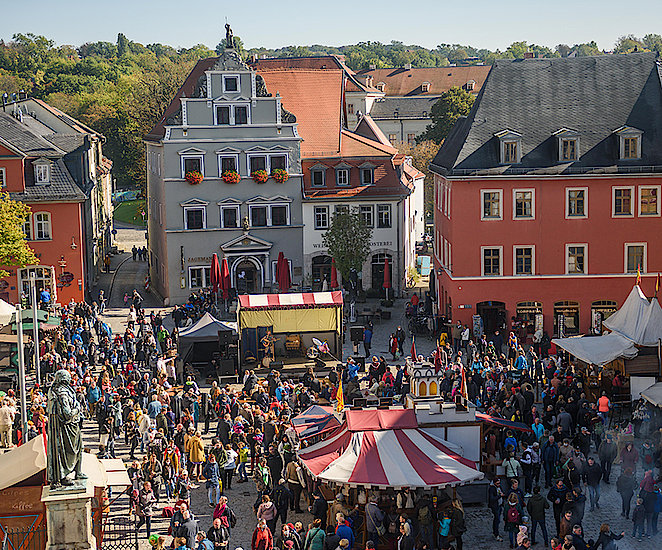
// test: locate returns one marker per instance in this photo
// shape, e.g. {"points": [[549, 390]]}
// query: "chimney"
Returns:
{"points": [[408, 67]]}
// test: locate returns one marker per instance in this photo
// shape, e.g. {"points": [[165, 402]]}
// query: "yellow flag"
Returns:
{"points": [[340, 397], [638, 274]]}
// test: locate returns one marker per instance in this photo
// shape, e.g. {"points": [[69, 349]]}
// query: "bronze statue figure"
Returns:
{"points": [[229, 37], [65, 441]]}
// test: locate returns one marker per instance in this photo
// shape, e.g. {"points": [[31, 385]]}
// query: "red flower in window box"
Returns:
{"points": [[231, 176], [260, 176], [193, 177], [280, 175]]}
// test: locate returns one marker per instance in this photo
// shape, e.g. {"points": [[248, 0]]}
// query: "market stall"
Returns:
{"points": [[284, 325], [208, 336], [315, 421]]}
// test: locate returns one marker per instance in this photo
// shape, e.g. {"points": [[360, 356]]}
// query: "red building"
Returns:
{"points": [[547, 196], [32, 170]]}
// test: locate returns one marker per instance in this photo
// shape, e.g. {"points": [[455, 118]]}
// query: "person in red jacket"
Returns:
{"points": [[262, 537]]}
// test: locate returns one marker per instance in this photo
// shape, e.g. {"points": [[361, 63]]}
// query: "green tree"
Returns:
{"points": [[653, 42], [451, 105], [348, 240], [629, 43], [14, 249]]}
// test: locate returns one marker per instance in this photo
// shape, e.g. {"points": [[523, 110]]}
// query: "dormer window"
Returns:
{"points": [[510, 147], [318, 175], [42, 173], [367, 174], [231, 83], [629, 142], [568, 145], [425, 87], [470, 85], [381, 86]]}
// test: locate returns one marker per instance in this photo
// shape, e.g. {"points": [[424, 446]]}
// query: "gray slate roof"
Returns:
{"points": [[22, 138], [61, 188], [537, 97], [407, 107], [66, 142]]}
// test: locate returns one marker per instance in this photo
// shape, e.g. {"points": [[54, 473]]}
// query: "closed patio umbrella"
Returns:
{"points": [[283, 273], [215, 274], [225, 282], [334, 275], [387, 277]]}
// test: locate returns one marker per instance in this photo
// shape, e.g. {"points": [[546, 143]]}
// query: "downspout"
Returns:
{"points": [[397, 236]]}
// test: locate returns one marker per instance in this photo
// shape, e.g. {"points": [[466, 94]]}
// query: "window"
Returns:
{"points": [[491, 261], [523, 204], [649, 201], [192, 164], [223, 115], [576, 201], [341, 209], [230, 83], [635, 257], [510, 152], [42, 173], [630, 142], [524, 260], [279, 215], [257, 162], [622, 201], [241, 114], [230, 217], [195, 217], [576, 261], [317, 177], [3, 178], [258, 216], [232, 114], [411, 139], [321, 217], [367, 176], [227, 163], [568, 149], [491, 200], [274, 263], [342, 176], [350, 108], [42, 226], [630, 148], [199, 277], [277, 162], [393, 138], [383, 216], [27, 227], [367, 215], [425, 87]]}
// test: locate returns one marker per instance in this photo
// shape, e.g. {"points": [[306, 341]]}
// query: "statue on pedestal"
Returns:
{"points": [[65, 441], [229, 37]]}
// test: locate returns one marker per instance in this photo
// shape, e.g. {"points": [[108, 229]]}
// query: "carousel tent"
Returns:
{"points": [[637, 323], [503, 423], [381, 455], [315, 420], [197, 342]]}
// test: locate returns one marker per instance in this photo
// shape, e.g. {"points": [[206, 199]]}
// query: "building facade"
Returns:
{"points": [[223, 121], [547, 196], [33, 171]]}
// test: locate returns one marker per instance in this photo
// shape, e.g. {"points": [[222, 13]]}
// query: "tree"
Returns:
{"points": [[422, 155], [348, 240], [14, 249], [122, 44], [452, 104], [629, 43]]}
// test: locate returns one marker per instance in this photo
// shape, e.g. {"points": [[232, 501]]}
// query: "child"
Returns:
{"points": [[638, 518], [444, 530], [243, 460]]}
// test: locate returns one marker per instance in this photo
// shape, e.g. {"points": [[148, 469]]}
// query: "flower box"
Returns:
{"points": [[193, 177], [231, 176], [260, 176], [280, 175]]}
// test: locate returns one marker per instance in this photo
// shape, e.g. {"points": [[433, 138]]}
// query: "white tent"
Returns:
{"points": [[6, 312], [637, 323], [653, 394]]}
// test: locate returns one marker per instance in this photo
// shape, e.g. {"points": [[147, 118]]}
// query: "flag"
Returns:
{"points": [[657, 284], [463, 387], [340, 398], [414, 356], [638, 274], [437, 360]]}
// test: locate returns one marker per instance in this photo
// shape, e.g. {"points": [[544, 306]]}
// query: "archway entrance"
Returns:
{"points": [[493, 315], [377, 265], [247, 277], [321, 269]]}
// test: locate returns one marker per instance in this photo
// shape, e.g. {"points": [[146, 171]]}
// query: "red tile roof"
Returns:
{"points": [[354, 145], [315, 98], [408, 82]]}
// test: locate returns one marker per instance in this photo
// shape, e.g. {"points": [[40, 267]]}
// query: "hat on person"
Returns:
{"points": [[536, 444]]}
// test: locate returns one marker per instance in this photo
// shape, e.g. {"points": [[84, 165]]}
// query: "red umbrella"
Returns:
{"points": [[387, 276], [334, 275], [215, 274], [283, 273], [225, 282]]}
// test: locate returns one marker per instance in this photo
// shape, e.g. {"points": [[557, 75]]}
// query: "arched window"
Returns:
{"points": [[433, 388], [42, 226], [422, 389]]}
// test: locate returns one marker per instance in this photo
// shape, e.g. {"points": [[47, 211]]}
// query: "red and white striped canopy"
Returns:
{"points": [[389, 458], [287, 300]]}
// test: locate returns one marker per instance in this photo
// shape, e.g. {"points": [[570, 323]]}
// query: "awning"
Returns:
{"points": [[598, 350], [207, 327], [502, 422], [21, 463], [288, 301], [376, 419], [653, 394]]}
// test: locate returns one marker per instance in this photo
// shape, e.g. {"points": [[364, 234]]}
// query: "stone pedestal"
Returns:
{"points": [[69, 517]]}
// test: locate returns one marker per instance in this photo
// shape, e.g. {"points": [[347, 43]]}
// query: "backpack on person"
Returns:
{"points": [[513, 515], [424, 515]]}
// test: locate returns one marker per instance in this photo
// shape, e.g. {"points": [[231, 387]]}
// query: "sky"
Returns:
{"points": [[488, 24]]}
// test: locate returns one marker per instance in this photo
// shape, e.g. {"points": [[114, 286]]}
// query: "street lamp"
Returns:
{"points": [[21, 370]]}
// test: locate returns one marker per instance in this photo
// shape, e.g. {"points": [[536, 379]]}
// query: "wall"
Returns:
{"points": [[403, 126]]}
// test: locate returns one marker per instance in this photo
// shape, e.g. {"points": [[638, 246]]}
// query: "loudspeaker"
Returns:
{"points": [[226, 367], [356, 334], [225, 337], [276, 365], [359, 360]]}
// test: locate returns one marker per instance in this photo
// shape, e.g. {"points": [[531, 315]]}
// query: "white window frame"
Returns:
{"points": [[350, 108], [568, 138], [345, 171], [201, 157], [567, 203], [633, 197], [48, 223], [533, 204], [238, 77], [250, 214], [393, 139], [482, 260], [371, 208], [533, 259], [279, 154], [644, 267], [274, 263], [483, 192], [326, 211], [204, 268], [225, 156], [630, 135], [234, 207], [270, 215], [567, 257], [204, 216], [642, 187], [28, 225], [390, 217], [3, 178], [46, 177], [233, 106], [312, 179], [250, 156], [372, 175], [518, 151]]}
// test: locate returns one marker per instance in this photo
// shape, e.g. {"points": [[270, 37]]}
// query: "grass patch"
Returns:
{"points": [[129, 212]]}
